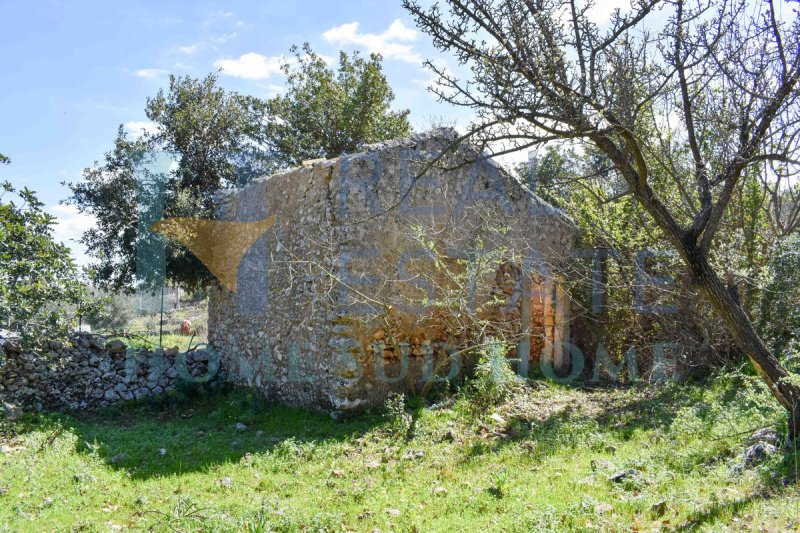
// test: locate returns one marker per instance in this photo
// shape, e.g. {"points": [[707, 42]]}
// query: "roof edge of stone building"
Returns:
{"points": [[446, 134]]}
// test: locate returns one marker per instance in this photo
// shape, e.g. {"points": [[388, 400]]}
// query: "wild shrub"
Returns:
{"points": [[398, 420], [494, 378]]}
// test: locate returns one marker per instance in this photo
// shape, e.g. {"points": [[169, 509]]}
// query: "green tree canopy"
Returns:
{"points": [[39, 281], [217, 135], [223, 139], [327, 112]]}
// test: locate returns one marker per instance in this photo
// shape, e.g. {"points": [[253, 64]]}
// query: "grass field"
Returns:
{"points": [[540, 461]]}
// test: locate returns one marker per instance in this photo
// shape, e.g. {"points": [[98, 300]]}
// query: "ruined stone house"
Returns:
{"points": [[378, 277]]}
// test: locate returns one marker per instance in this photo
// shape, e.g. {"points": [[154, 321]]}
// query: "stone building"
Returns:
{"points": [[383, 268]]}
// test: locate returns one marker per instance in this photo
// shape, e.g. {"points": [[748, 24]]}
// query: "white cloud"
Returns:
{"points": [[251, 66], [139, 127], [189, 48], [219, 16], [150, 73], [70, 228], [225, 37], [390, 44]]}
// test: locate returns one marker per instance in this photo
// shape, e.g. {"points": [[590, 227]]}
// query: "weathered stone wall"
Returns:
{"points": [[88, 373], [353, 292]]}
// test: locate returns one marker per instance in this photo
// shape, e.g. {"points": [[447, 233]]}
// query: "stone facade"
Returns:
{"points": [[377, 277]]}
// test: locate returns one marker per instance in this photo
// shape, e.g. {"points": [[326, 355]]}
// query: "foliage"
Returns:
{"points": [[749, 251], [222, 139], [621, 251], [780, 306], [111, 313], [327, 112], [216, 135], [398, 420], [494, 378], [108, 192], [215, 138], [684, 115], [40, 287]]}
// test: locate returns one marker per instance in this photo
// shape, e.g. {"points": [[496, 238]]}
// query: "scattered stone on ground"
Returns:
{"points": [[737, 469], [603, 507], [497, 419], [622, 475], [659, 508], [768, 435], [757, 453], [11, 411], [413, 455], [115, 459]]}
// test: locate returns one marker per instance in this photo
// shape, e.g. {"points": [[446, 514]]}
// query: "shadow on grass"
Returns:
{"points": [[643, 409], [719, 510], [191, 434]]}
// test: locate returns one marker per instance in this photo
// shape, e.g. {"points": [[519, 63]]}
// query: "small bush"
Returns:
{"points": [[398, 421], [494, 378]]}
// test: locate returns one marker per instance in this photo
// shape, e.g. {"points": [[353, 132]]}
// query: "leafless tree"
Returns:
{"points": [[692, 93]]}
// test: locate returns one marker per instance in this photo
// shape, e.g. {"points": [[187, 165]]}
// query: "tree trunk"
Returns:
{"points": [[745, 335], [724, 303]]}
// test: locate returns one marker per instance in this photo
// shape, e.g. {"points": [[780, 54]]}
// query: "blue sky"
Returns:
{"points": [[72, 72]]}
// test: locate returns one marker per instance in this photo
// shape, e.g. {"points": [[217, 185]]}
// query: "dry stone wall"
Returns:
{"points": [[88, 373]]}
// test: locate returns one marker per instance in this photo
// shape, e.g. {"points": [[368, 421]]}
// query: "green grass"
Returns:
{"points": [[545, 466], [168, 340]]}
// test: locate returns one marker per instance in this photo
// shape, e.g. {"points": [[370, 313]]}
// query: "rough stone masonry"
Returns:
{"points": [[383, 268], [85, 372]]}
